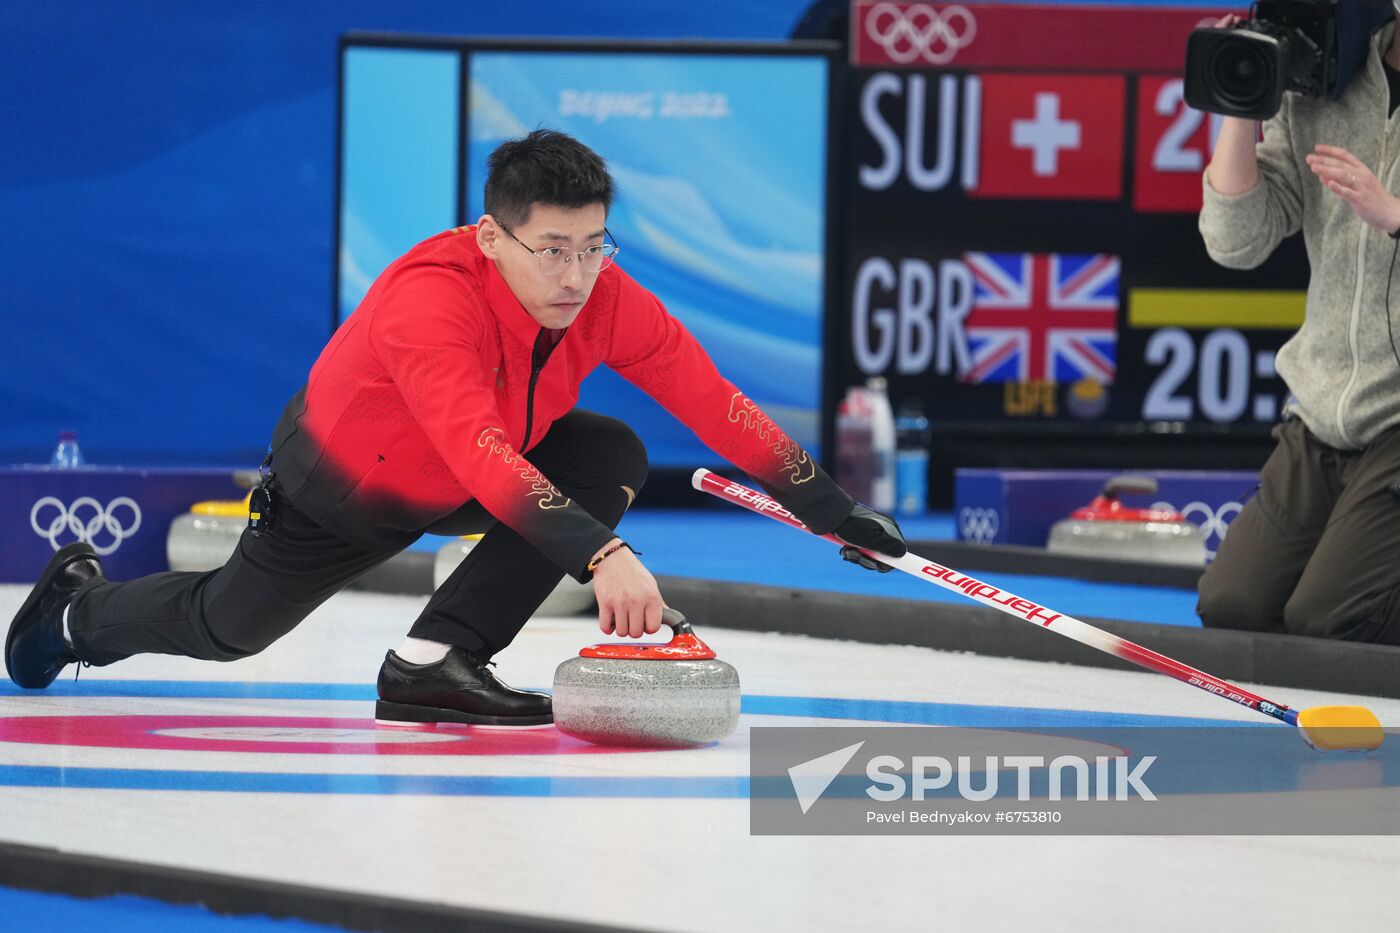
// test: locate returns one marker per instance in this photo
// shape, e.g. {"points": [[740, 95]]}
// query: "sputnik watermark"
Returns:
{"points": [[1114, 778], [1207, 779], [948, 780]]}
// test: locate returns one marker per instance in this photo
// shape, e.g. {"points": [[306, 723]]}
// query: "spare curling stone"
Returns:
{"points": [[204, 537], [675, 695], [1107, 528], [570, 597]]}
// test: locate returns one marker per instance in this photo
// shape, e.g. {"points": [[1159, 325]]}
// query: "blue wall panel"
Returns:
{"points": [[399, 172], [167, 202]]}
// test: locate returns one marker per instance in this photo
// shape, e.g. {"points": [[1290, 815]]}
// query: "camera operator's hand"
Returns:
{"points": [[1348, 178]]}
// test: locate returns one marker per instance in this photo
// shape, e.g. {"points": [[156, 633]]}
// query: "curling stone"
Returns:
{"points": [[674, 695], [205, 536], [1107, 528], [570, 597]]}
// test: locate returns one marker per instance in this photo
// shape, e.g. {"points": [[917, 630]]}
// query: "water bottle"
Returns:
{"points": [[67, 455], [882, 441], [911, 461], [855, 454]]}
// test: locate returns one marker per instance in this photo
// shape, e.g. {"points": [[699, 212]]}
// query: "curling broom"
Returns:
{"points": [[1323, 727]]}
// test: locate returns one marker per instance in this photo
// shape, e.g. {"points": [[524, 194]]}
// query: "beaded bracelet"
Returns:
{"points": [[612, 550]]}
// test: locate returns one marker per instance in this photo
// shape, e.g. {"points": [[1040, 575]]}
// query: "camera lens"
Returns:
{"points": [[1240, 73]]}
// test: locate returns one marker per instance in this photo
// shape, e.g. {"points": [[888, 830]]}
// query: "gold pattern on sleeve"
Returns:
{"points": [[547, 497], [795, 461]]}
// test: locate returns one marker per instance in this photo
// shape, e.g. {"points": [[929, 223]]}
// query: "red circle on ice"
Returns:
{"points": [[289, 735]]}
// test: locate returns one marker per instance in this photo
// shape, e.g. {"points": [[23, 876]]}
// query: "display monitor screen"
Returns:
{"points": [[721, 164]]}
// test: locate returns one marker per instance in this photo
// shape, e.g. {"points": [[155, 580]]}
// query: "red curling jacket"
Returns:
{"points": [[419, 404]]}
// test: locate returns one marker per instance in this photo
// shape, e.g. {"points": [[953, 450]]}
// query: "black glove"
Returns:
{"points": [[868, 528]]}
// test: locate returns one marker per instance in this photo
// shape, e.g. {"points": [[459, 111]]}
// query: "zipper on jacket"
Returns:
{"points": [[540, 356], [1354, 325]]}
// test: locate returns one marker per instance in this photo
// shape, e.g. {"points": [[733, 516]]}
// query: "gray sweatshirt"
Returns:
{"points": [[1340, 365]]}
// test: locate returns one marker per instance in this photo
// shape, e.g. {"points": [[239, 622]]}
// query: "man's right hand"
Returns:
{"points": [[629, 602], [867, 528]]}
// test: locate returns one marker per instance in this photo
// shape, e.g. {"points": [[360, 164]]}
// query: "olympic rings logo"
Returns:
{"points": [[86, 520], [920, 31], [980, 526], [1212, 522]]}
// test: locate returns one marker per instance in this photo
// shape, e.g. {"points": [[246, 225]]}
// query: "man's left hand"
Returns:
{"points": [[867, 528], [1348, 178]]}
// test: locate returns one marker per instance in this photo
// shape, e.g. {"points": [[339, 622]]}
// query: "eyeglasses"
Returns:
{"points": [[555, 259]]}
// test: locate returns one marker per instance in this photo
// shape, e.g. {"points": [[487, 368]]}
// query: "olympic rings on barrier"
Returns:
{"points": [[86, 519], [907, 33], [980, 526], [1212, 522]]}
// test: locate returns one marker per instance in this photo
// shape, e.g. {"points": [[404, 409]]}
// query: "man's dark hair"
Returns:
{"points": [[547, 167]]}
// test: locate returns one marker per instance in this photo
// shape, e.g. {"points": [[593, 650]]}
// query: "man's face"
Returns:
{"points": [[552, 300]]}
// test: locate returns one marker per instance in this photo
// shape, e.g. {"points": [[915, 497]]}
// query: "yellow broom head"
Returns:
{"points": [[1329, 728]]}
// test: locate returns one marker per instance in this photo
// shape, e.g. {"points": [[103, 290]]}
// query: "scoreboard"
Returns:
{"points": [[1021, 191]]}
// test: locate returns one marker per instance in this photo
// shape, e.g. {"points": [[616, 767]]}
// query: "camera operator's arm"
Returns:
{"points": [[1253, 191], [1234, 168], [1252, 200]]}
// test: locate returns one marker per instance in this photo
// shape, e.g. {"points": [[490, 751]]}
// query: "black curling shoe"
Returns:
{"points": [[459, 688], [35, 651]]}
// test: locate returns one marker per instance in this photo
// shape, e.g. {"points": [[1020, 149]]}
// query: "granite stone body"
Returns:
{"points": [[646, 703], [203, 542], [1155, 542]]}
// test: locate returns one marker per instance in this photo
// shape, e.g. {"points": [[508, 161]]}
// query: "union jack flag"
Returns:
{"points": [[1048, 317]]}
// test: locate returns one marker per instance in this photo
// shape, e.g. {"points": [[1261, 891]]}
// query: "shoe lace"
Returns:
{"points": [[79, 669], [482, 664]]}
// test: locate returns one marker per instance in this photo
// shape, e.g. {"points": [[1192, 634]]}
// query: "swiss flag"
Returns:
{"points": [[1051, 136]]}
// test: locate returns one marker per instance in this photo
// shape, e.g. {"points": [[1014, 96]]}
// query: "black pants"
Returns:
{"points": [[1317, 550], [274, 581]]}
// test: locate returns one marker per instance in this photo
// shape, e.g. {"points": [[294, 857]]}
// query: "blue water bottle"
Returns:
{"points": [[66, 455], [911, 461]]}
